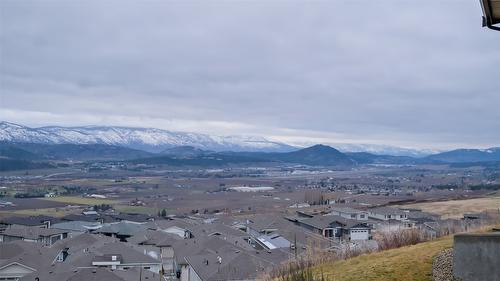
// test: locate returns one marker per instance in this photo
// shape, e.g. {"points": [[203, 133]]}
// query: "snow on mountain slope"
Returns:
{"points": [[378, 149], [384, 150], [148, 139]]}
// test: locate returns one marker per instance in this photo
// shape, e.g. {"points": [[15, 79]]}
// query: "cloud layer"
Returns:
{"points": [[417, 74]]}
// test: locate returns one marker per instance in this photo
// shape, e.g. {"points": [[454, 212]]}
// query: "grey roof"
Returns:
{"points": [[274, 240], [347, 210], [154, 237], [387, 211], [128, 253], [108, 257], [264, 222], [234, 264], [29, 221], [94, 274], [32, 232], [81, 226], [215, 229], [132, 217], [122, 228], [83, 241], [164, 224], [133, 274], [73, 274], [90, 218], [322, 222], [30, 254], [189, 247], [96, 247]]}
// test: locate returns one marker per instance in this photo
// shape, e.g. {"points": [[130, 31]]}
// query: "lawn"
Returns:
{"points": [[456, 208], [406, 263], [78, 200]]}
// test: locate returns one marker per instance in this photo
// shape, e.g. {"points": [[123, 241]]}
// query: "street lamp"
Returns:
{"points": [[491, 13]]}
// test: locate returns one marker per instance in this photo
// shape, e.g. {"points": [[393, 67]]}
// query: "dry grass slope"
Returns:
{"points": [[456, 208], [406, 263]]}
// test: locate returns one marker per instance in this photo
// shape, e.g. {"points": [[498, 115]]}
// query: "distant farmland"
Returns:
{"points": [[457, 208], [78, 200]]}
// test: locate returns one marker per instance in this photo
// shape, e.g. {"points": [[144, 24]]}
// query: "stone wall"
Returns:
{"points": [[477, 256]]}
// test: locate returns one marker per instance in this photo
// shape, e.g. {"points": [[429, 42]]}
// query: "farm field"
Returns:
{"points": [[53, 212], [136, 209], [78, 200], [457, 208]]}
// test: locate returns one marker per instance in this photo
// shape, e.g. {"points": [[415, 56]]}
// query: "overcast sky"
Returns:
{"points": [[421, 74]]}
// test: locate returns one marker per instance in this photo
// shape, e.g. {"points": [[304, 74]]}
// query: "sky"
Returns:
{"points": [[420, 74]]}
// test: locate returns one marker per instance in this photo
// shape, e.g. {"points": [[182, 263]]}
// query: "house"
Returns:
{"points": [[119, 256], [159, 244], [50, 195], [259, 224], [139, 218], [215, 258], [200, 245], [216, 229], [90, 213], [84, 257], [38, 221], [388, 213], [231, 264], [6, 203], [121, 230], [337, 227], [301, 239], [181, 232], [349, 213], [108, 253], [299, 205], [20, 258], [45, 236], [178, 227], [83, 274], [272, 241], [77, 227]]}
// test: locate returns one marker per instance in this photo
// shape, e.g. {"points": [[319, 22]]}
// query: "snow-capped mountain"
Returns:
{"points": [[379, 149], [149, 139]]}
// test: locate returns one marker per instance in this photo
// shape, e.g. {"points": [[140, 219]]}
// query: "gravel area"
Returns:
{"points": [[442, 267]]}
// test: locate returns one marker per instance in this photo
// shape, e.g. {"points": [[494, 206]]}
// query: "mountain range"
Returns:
{"points": [[157, 140], [24, 147], [147, 139]]}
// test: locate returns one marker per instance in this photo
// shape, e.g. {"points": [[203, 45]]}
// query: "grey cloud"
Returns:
{"points": [[417, 73]]}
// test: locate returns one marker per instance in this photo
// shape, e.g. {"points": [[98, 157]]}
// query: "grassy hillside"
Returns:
{"points": [[406, 263]]}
